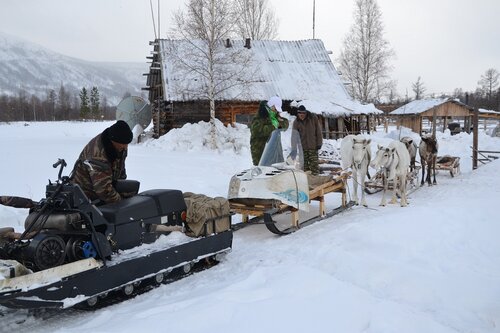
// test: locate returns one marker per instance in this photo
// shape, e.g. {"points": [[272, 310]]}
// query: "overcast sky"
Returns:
{"points": [[448, 43]]}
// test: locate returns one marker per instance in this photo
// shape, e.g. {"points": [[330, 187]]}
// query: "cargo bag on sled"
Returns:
{"points": [[206, 215]]}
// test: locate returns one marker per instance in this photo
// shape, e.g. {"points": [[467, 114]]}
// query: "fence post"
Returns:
{"points": [[475, 136]]}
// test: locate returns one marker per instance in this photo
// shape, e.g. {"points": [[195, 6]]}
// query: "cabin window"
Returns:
{"points": [[245, 119]]}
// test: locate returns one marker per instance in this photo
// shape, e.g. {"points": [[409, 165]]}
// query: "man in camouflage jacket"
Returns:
{"points": [[263, 124], [311, 138], [102, 163]]}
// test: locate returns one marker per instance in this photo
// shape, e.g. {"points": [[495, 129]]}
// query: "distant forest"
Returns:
{"points": [[56, 106], [65, 105]]}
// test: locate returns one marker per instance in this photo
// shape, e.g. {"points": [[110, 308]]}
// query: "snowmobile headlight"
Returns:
{"points": [[234, 187], [255, 172]]}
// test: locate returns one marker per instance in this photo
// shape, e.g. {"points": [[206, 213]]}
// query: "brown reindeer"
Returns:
{"points": [[428, 150]]}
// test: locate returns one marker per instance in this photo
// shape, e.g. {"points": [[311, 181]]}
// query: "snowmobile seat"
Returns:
{"points": [[168, 201], [128, 210], [147, 204]]}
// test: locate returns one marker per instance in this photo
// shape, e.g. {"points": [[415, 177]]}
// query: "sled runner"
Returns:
{"points": [[74, 252]]}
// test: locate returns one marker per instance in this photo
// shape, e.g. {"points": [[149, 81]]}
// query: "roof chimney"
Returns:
{"points": [[228, 42], [247, 43]]}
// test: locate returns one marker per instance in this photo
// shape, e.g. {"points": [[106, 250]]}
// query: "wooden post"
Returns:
{"points": [[467, 124], [295, 218], [434, 122], [475, 136], [327, 128], [342, 132]]}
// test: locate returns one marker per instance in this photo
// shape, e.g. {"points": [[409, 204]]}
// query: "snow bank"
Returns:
{"points": [[196, 137]]}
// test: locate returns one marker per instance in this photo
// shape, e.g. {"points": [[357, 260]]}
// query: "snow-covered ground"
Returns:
{"points": [[433, 266]]}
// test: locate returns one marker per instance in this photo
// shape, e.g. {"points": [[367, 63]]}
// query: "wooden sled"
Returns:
{"points": [[376, 183], [448, 163], [263, 209]]}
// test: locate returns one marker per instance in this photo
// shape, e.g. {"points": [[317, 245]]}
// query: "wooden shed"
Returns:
{"points": [[489, 117], [297, 71], [426, 115]]}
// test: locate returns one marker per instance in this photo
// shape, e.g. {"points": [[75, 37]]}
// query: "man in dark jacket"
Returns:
{"points": [[102, 163], [263, 124], [311, 138]]}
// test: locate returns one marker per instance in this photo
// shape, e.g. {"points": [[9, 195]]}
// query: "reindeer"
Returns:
{"points": [[428, 150], [412, 150], [355, 153], [394, 161]]}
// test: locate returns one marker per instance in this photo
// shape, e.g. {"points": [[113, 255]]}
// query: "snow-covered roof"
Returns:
{"points": [[348, 107], [489, 111], [294, 70], [422, 105]]}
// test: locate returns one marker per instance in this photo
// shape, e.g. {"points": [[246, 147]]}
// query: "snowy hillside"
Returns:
{"points": [[430, 267], [28, 66]]}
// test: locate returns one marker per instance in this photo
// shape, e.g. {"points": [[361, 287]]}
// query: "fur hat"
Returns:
{"points": [[276, 102], [120, 132]]}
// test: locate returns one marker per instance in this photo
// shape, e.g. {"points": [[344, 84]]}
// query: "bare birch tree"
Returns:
{"points": [[256, 20], [489, 82], [205, 28], [364, 60], [418, 88]]}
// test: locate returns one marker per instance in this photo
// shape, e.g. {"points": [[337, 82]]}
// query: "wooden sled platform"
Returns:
{"points": [[260, 208], [448, 163]]}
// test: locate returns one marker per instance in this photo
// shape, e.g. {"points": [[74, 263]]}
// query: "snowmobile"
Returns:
{"points": [[73, 251], [279, 184]]}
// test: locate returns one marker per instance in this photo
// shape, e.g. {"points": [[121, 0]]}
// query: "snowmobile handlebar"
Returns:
{"points": [[62, 163], [59, 161]]}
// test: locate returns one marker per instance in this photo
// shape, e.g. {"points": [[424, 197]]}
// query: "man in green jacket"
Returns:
{"points": [[311, 138], [263, 124], [102, 163]]}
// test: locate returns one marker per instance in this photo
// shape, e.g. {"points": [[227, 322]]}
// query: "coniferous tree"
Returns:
{"points": [[84, 104], [51, 104], [94, 103], [64, 104]]}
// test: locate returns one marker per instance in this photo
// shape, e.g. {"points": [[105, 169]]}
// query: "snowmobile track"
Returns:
{"points": [[21, 320]]}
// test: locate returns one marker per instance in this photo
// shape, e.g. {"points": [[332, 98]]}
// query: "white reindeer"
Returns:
{"points": [[394, 161], [355, 153]]}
